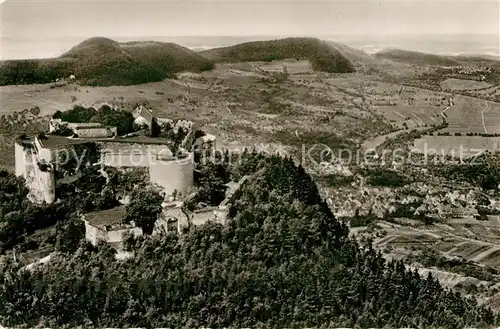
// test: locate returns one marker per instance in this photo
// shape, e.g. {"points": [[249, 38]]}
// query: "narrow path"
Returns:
{"points": [[482, 115], [443, 111], [44, 100]]}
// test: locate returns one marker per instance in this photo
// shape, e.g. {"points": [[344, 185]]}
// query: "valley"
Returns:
{"points": [[432, 220]]}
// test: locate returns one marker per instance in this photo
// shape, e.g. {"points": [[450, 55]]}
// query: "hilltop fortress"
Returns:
{"points": [[42, 160]]}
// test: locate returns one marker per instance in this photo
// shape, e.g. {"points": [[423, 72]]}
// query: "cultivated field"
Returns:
{"points": [[292, 66], [473, 241], [461, 84], [249, 103], [492, 94], [51, 98], [243, 104], [473, 115], [413, 116]]}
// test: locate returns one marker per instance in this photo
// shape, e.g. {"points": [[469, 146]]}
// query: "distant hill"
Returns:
{"points": [[478, 60], [415, 57], [102, 61], [322, 55], [356, 56]]}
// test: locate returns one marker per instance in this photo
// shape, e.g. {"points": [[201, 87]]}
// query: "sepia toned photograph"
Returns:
{"points": [[250, 164]]}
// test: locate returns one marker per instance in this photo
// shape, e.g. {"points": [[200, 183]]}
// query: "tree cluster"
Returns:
{"points": [[323, 57], [430, 258], [283, 260], [105, 115], [479, 173], [104, 62], [19, 217], [384, 178], [144, 208]]}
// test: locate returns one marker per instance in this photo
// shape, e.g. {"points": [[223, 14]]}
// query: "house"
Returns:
{"points": [[205, 142], [143, 116], [108, 226], [172, 218], [92, 130], [84, 129]]}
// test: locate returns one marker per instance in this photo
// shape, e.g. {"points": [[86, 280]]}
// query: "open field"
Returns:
{"points": [[239, 102], [292, 66], [476, 244], [413, 116], [461, 84], [51, 99], [472, 115], [244, 104], [458, 146], [492, 94]]}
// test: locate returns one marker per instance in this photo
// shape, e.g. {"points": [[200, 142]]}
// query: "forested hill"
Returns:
{"points": [[282, 261], [415, 57], [323, 56], [102, 61]]}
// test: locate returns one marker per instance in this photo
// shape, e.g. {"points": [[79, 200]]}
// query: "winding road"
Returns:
{"points": [[443, 111]]}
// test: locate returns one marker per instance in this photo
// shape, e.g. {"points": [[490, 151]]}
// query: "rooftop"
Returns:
{"points": [[86, 125], [106, 217], [138, 140], [26, 140], [54, 141], [144, 112]]}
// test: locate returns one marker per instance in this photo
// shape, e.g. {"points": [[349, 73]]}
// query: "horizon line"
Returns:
{"points": [[104, 35]]}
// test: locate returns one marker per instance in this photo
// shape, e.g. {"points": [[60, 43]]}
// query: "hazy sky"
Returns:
{"points": [[28, 18]]}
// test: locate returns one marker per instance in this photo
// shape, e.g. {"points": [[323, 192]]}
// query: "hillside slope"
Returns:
{"points": [[356, 56], [415, 57], [323, 56], [102, 61]]}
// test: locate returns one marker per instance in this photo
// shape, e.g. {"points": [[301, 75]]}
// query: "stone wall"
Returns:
{"points": [[93, 132], [21, 160], [172, 214], [44, 154], [216, 214], [41, 184], [130, 154], [95, 234], [200, 217], [173, 174], [116, 236], [187, 142], [124, 159]]}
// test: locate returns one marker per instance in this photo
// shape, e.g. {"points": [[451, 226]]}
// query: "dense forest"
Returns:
{"points": [[104, 62], [482, 171], [384, 177], [283, 260], [323, 56]]}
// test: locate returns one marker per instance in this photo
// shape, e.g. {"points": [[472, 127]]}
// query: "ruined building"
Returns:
{"points": [[39, 159]]}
